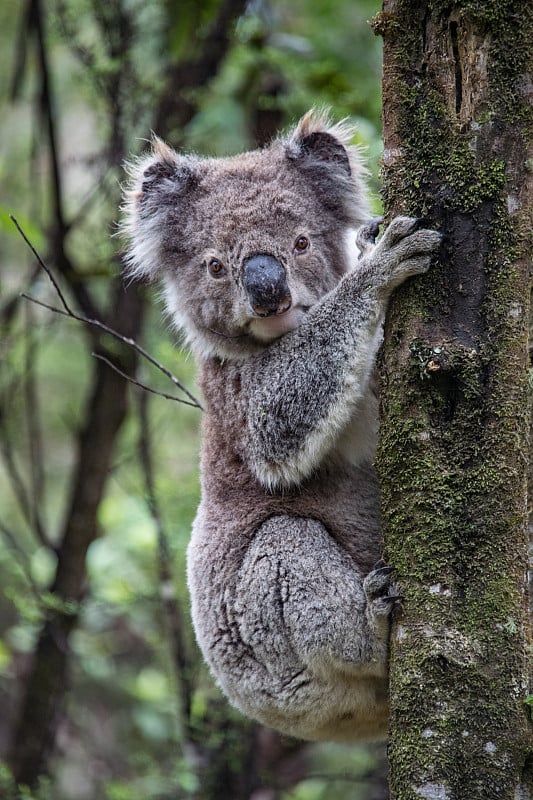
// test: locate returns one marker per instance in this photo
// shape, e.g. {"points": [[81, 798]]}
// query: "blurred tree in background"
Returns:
{"points": [[103, 692]]}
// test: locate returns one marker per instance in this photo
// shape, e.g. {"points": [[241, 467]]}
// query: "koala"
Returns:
{"points": [[257, 262]]}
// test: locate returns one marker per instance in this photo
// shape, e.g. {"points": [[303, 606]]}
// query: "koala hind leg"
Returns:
{"points": [[315, 626]]}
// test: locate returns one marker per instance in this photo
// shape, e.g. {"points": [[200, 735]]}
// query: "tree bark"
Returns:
{"points": [[454, 448]]}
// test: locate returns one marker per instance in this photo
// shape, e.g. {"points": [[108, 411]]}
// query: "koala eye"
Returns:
{"points": [[216, 267], [301, 244]]}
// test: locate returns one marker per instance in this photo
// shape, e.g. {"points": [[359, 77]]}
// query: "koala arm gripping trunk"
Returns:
{"points": [[304, 390]]}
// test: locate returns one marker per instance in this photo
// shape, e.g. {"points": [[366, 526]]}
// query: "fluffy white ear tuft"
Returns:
{"points": [[158, 182], [162, 151], [318, 120]]}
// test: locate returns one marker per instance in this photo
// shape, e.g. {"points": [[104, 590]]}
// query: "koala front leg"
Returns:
{"points": [[304, 389]]}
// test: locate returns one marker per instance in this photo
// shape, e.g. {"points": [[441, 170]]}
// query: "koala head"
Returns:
{"points": [[246, 245]]}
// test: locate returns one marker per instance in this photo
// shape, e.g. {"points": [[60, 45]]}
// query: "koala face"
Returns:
{"points": [[246, 245]]}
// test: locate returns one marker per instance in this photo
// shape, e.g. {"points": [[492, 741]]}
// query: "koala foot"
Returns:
{"points": [[380, 592]]}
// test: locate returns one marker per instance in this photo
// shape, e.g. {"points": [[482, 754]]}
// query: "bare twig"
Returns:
{"points": [[27, 508], [34, 27], [9, 308], [21, 51], [50, 118], [43, 266], [68, 312], [21, 558], [172, 114], [140, 384]]}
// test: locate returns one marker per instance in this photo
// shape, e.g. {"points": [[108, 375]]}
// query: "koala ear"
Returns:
{"points": [[314, 140], [162, 178], [161, 183], [325, 153]]}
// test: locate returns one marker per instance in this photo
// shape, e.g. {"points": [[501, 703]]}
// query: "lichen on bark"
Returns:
{"points": [[454, 449]]}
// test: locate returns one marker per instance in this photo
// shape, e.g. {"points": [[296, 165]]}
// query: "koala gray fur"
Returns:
{"points": [[256, 257]]}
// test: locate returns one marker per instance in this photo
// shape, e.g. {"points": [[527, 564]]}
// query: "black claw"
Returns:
{"points": [[383, 570], [422, 222], [393, 598], [417, 224], [367, 235], [378, 565], [373, 227]]}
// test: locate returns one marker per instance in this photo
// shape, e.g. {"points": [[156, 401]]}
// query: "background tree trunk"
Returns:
{"points": [[48, 679], [46, 684], [454, 447]]}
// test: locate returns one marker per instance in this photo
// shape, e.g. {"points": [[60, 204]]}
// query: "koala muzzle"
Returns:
{"points": [[265, 282]]}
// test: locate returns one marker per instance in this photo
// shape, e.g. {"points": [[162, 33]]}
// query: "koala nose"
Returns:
{"points": [[265, 282]]}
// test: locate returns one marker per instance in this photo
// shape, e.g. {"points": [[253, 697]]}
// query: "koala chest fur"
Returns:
{"points": [[254, 256]]}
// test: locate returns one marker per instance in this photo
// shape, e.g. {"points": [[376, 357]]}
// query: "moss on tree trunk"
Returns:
{"points": [[454, 448]]}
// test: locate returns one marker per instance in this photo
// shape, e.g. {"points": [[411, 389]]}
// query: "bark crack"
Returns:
{"points": [[458, 68]]}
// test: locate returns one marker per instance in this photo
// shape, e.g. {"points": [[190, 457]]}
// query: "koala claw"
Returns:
{"points": [[379, 591], [381, 570], [367, 235]]}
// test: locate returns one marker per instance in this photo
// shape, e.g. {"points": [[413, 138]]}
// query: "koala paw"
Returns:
{"points": [[380, 592], [404, 250]]}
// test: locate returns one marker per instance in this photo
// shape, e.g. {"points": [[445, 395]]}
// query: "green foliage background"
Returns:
{"points": [[119, 738]]}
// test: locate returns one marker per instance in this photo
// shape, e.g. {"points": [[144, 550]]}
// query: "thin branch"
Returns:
{"points": [[18, 486], [68, 312], [100, 191], [142, 385], [43, 266], [21, 558], [10, 306], [21, 51], [46, 108], [50, 118]]}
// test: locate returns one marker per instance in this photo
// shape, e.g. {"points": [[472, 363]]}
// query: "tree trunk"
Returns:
{"points": [[47, 681], [454, 449]]}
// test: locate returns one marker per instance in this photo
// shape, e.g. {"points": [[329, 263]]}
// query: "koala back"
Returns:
{"points": [[220, 233]]}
